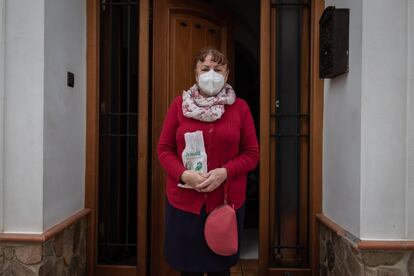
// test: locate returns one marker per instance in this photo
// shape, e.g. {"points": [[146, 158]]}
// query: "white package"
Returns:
{"points": [[194, 154]]}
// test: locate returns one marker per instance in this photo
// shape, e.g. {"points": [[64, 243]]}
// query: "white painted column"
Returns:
{"points": [[342, 132], [410, 124], [23, 117], [369, 124], [42, 121], [384, 119], [2, 27], [65, 110]]}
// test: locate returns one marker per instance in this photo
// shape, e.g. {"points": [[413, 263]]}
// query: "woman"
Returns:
{"points": [[232, 150]]}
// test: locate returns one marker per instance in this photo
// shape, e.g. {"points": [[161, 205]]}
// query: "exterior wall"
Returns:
{"points": [[2, 26], [410, 124], [384, 120], [342, 131], [23, 116], [368, 125], [64, 254], [65, 110], [42, 181]]}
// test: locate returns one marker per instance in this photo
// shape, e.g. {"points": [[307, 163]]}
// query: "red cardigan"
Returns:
{"points": [[230, 142]]}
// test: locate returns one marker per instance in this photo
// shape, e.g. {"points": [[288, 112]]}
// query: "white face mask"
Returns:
{"points": [[211, 82]]}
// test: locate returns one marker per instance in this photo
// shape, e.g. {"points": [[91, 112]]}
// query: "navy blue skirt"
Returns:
{"points": [[185, 248]]}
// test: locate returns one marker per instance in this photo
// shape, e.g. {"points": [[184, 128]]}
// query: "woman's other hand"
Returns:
{"points": [[214, 179], [192, 178]]}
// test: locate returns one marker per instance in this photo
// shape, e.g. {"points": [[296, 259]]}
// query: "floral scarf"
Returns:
{"points": [[206, 109]]}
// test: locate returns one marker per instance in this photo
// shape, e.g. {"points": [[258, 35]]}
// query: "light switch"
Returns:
{"points": [[71, 79]]}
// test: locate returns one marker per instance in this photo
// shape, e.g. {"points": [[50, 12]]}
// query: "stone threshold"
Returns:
{"points": [[364, 244], [48, 234]]}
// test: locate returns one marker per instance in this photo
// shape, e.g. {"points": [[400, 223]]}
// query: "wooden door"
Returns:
{"points": [[181, 29], [290, 137]]}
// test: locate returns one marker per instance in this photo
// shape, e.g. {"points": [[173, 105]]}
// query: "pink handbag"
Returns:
{"points": [[220, 230]]}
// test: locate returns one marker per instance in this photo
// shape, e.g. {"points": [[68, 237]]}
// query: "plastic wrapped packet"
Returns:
{"points": [[194, 154]]}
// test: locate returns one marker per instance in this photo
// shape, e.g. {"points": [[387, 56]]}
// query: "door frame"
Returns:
{"points": [[315, 143], [92, 140], [92, 135]]}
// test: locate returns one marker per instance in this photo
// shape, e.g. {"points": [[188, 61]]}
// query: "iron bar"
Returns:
{"points": [[298, 128], [127, 165], [117, 245], [117, 135], [110, 65], [290, 118], [278, 3], [278, 147], [118, 114], [289, 247], [278, 193], [308, 151], [294, 135], [303, 5], [281, 115], [104, 4]]}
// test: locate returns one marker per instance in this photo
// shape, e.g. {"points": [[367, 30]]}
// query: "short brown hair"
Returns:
{"points": [[216, 55]]}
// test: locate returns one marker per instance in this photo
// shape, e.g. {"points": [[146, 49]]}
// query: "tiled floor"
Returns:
{"points": [[249, 253], [245, 268], [249, 248]]}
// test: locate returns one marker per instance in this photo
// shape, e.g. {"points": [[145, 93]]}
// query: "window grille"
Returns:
{"points": [[118, 126], [290, 138]]}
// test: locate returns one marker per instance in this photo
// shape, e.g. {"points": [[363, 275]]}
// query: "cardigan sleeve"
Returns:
{"points": [[167, 144], [248, 156]]}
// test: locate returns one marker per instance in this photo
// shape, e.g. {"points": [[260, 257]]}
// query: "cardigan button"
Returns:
{"points": [[210, 130]]}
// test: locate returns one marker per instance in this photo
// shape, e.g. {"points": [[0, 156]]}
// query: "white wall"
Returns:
{"points": [[369, 124], [44, 120], [23, 116], [65, 114], [2, 27], [384, 119], [410, 124], [342, 132]]}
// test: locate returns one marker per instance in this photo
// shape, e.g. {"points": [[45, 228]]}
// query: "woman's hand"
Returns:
{"points": [[214, 179], [192, 178]]}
